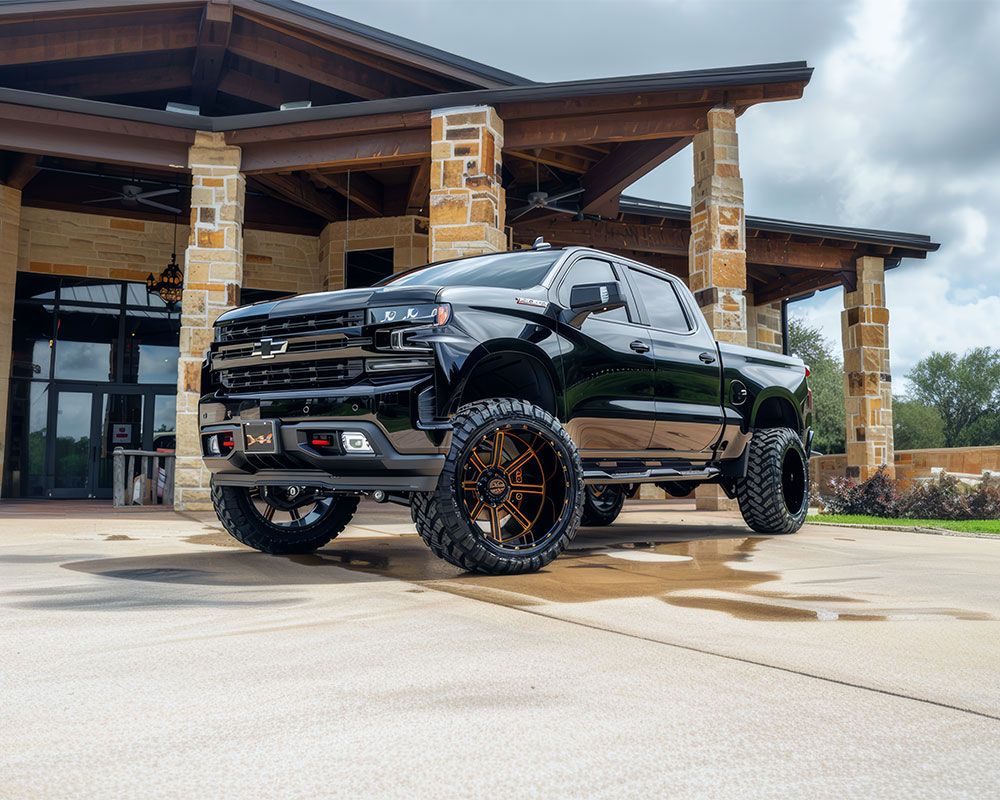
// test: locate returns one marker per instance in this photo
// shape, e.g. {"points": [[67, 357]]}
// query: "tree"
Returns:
{"points": [[826, 381], [916, 425], [965, 390]]}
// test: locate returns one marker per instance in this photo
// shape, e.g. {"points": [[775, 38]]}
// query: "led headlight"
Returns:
{"points": [[421, 314]]}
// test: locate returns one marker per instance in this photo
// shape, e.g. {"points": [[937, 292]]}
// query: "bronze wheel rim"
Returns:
{"points": [[515, 487]]}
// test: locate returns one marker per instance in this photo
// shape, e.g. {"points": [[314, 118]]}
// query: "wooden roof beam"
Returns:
{"points": [[608, 235], [623, 166], [762, 250], [419, 189], [128, 36], [361, 151], [615, 127], [21, 171], [359, 188], [213, 39], [264, 47], [298, 191]]}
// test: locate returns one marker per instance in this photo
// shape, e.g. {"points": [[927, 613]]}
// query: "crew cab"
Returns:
{"points": [[506, 398]]}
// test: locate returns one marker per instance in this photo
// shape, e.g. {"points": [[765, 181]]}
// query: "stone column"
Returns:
{"points": [[864, 325], [213, 272], [467, 205], [764, 326], [717, 260], [10, 228]]}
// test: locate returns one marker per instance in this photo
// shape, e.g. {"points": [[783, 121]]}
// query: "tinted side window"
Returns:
{"points": [[662, 303], [591, 270]]}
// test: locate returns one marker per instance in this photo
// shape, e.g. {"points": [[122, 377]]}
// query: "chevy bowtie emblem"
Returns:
{"points": [[268, 348], [263, 439]]}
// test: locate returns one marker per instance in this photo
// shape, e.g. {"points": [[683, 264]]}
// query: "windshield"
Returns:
{"points": [[518, 270]]}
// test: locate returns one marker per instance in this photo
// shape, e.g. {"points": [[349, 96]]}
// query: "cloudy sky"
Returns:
{"points": [[899, 128]]}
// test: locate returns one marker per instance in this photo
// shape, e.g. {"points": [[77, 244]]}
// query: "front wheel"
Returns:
{"points": [[282, 520], [510, 495], [774, 495]]}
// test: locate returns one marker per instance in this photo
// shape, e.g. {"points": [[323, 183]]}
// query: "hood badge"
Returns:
{"points": [[268, 348], [530, 301]]}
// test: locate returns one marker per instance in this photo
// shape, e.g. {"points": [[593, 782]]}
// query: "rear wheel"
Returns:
{"points": [[774, 495], [282, 520], [603, 503], [510, 495]]}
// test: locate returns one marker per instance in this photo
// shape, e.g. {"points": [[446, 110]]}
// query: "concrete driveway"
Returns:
{"points": [[673, 654]]}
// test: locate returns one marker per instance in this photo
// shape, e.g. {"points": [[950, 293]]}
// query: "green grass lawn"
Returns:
{"points": [[966, 526]]}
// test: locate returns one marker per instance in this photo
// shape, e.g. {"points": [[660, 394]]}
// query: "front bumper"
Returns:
{"points": [[299, 463]]}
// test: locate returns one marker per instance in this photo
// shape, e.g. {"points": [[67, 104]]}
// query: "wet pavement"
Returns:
{"points": [[149, 654]]}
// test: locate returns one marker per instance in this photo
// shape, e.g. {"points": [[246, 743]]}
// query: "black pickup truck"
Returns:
{"points": [[506, 398]]}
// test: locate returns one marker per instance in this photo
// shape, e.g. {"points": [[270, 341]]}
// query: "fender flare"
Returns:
{"points": [[496, 347], [781, 393]]}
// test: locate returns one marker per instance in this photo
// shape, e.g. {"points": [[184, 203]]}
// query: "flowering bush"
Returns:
{"points": [[945, 498]]}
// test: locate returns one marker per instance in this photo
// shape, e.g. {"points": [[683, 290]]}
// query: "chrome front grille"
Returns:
{"points": [[289, 375], [255, 329]]}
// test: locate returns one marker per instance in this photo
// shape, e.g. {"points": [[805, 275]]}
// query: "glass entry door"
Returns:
{"points": [[89, 424], [71, 449]]}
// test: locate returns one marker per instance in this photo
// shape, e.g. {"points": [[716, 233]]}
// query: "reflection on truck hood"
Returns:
{"points": [[344, 299]]}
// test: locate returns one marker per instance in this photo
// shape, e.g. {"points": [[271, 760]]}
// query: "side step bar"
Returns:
{"points": [[648, 475]]}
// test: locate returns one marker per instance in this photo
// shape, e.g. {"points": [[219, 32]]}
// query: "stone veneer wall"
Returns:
{"points": [[911, 464], [467, 201], [764, 326], [95, 246], [281, 262], [98, 246], [407, 236]]}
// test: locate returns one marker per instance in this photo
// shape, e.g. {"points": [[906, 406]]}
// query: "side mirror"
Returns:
{"points": [[593, 298]]}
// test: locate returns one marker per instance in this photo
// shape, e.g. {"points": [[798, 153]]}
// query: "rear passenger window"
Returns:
{"points": [[662, 303], [591, 270]]}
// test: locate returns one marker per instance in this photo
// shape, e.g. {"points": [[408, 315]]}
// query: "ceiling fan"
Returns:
{"points": [[132, 195], [542, 200]]}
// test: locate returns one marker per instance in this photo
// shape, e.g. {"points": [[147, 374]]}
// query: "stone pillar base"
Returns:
{"points": [[710, 497]]}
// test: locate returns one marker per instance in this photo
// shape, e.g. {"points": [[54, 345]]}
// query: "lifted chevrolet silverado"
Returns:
{"points": [[506, 398]]}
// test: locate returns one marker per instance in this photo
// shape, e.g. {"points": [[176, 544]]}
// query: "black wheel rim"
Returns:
{"points": [[515, 489], [288, 507], [793, 481], [604, 496]]}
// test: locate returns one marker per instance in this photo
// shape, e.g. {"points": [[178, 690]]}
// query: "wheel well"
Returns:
{"points": [[776, 412], [512, 375]]}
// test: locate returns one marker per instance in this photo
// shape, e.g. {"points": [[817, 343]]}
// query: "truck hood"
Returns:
{"points": [[342, 300]]}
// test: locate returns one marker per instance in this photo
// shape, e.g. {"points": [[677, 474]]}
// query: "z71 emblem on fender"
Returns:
{"points": [[268, 348]]}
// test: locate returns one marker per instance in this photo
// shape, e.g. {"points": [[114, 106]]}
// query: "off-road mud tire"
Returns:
{"points": [[444, 526], [235, 511], [774, 495]]}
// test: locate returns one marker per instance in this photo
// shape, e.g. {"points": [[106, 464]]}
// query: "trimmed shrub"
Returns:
{"points": [[940, 499], [876, 497], [946, 498]]}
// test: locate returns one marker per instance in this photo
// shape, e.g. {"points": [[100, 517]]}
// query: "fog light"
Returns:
{"points": [[213, 445], [355, 442]]}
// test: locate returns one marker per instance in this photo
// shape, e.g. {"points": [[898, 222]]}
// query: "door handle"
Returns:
{"points": [[707, 358], [639, 346]]}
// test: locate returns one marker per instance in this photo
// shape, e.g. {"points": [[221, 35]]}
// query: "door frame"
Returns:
{"points": [[97, 391]]}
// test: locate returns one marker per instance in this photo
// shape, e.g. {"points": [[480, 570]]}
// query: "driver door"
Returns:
{"points": [[608, 368]]}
